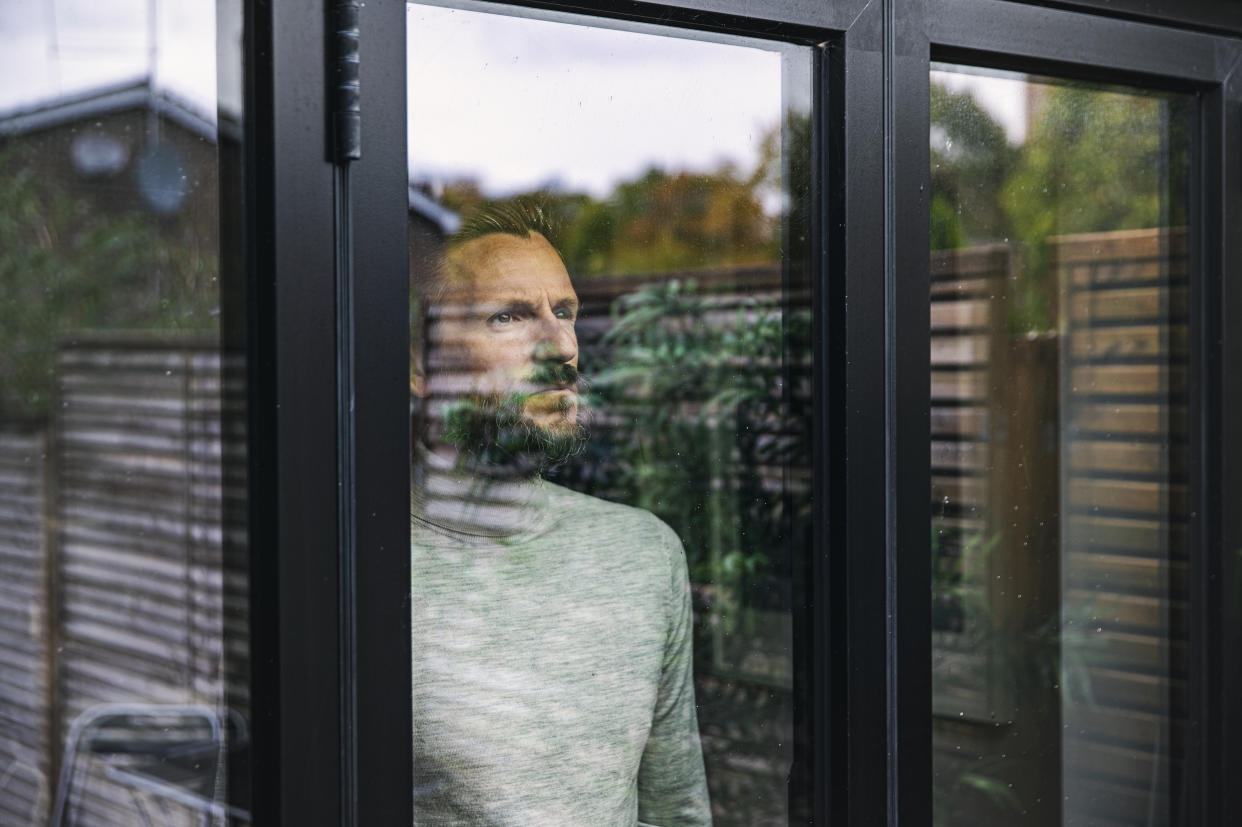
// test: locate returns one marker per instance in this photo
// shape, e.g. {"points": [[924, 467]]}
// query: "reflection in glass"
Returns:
{"points": [[610, 384], [1058, 313], [117, 409]]}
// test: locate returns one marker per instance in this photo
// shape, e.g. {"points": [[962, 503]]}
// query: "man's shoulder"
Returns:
{"points": [[606, 519]]}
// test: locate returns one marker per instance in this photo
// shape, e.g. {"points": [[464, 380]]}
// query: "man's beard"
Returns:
{"points": [[496, 435]]}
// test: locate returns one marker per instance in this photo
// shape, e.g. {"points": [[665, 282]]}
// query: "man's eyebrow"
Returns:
{"points": [[526, 306], [515, 305]]}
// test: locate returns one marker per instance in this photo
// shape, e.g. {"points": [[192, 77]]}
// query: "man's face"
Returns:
{"points": [[505, 329]]}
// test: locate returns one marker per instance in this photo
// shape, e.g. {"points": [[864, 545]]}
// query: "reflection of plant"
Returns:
{"points": [[1066, 177], [958, 602], [954, 799], [970, 160], [697, 415], [968, 626]]}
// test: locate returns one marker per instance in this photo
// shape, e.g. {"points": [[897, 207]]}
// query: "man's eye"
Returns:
{"points": [[502, 318]]}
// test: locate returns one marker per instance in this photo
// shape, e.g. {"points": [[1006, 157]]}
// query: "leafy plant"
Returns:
{"points": [[694, 410]]}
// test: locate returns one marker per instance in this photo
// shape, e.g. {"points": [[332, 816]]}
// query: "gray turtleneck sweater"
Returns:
{"points": [[552, 659]]}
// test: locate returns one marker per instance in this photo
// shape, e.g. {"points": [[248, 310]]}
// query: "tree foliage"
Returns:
{"points": [[67, 264], [1093, 160], [970, 160], [662, 220]]}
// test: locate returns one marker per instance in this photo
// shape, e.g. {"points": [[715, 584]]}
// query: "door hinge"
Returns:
{"points": [[346, 90]]}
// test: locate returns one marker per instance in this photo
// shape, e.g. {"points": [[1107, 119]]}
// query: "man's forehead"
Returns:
{"points": [[499, 264]]}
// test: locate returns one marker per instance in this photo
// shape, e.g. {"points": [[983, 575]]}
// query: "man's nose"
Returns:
{"points": [[557, 341]]}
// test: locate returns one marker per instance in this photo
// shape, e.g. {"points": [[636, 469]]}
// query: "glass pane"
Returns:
{"points": [[610, 378], [1059, 327], [121, 562]]}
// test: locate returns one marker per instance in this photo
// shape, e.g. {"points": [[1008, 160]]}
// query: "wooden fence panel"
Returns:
{"points": [[25, 673], [139, 516], [1123, 539], [965, 317], [1059, 503]]}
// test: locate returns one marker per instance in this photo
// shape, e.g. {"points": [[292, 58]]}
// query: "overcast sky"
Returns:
{"points": [[1001, 94], [59, 47], [519, 103], [513, 102]]}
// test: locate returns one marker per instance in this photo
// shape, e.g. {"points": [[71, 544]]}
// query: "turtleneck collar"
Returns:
{"points": [[472, 507]]}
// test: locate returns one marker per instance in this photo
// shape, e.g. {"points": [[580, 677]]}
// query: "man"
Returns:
{"points": [[552, 630]]}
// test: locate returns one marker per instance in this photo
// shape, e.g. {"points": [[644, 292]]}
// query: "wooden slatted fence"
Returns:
{"points": [[1059, 495], [139, 538], [1124, 536], [25, 643]]}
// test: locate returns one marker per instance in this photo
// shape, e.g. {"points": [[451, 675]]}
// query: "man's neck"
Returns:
{"points": [[450, 494]]}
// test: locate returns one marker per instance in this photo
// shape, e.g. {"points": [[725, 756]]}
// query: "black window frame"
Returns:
{"points": [[327, 368]]}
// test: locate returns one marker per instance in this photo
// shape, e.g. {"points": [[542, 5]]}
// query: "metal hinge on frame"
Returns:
{"points": [[346, 90]]}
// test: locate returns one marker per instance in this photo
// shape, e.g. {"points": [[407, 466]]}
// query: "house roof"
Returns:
{"points": [[444, 219], [139, 95], [113, 98]]}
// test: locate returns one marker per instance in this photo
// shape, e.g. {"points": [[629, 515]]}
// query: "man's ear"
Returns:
{"points": [[418, 382]]}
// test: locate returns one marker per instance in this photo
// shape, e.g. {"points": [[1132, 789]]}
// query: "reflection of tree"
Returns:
{"points": [[66, 265], [661, 220], [970, 160], [1093, 161]]}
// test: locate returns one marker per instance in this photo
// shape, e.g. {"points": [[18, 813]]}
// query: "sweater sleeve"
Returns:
{"points": [[672, 788]]}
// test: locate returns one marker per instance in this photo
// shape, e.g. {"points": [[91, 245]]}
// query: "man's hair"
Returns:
{"points": [[519, 217]]}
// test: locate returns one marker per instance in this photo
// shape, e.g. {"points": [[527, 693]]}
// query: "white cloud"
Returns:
{"points": [[62, 47], [517, 103]]}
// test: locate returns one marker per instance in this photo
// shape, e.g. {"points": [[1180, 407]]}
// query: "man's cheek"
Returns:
{"points": [[503, 380]]}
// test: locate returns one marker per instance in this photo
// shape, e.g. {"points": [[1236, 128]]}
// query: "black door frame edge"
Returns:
{"points": [[1045, 41], [806, 21], [291, 419], [381, 600], [908, 289], [1216, 362], [1210, 16]]}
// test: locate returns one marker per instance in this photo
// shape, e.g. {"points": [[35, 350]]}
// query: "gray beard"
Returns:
{"points": [[495, 436]]}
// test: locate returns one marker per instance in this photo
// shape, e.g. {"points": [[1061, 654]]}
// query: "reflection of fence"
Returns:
{"points": [[965, 318], [1124, 531], [136, 497], [1058, 459], [25, 678], [135, 545]]}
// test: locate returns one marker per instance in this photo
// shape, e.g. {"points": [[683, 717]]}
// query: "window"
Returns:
{"points": [[124, 568], [805, 258], [611, 305], [1059, 420]]}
